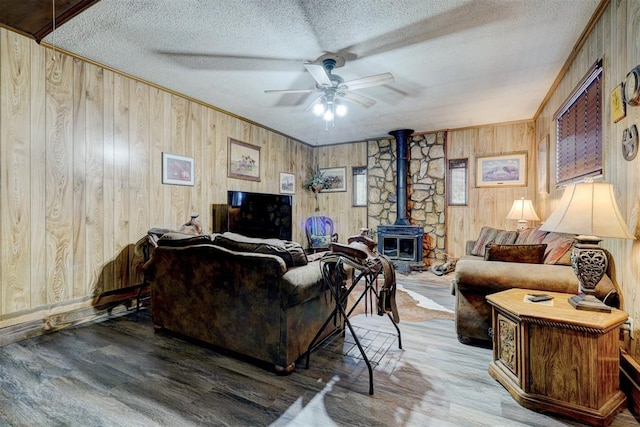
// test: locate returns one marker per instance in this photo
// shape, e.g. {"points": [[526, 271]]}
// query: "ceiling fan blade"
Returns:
{"points": [[377, 80], [362, 101], [290, 91], [318, 73]]}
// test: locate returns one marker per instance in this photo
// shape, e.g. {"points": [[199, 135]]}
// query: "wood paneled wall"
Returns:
{"points": [[616, 39], [80, 173], [488, 205], [348, 219]]}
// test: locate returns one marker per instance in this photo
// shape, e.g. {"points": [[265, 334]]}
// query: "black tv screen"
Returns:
{"points": [[260, 215]]}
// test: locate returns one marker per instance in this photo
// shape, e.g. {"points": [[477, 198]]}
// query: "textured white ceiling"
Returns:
{"points": [[456, 63]]}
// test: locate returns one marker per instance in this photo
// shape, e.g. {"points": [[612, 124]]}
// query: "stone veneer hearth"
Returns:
{"points": [[426, 201]]}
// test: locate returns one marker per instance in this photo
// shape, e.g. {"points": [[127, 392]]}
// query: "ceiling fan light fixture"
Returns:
{"points": [[341, 109], [328, 115], [319, 108]]}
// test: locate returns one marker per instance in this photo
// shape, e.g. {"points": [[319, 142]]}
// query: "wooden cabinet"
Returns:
{"points": [[554, 358]]}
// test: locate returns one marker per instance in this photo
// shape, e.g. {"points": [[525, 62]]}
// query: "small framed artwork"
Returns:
{"points": [[543, 165], [336, 179], [287, 183], [618, 105], [244, 160], [177, 170], [457, 182], [506, 170], [359, 187]]}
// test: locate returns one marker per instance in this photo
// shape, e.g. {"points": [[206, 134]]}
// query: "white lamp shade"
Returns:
{"points": [[523, 210], [590, 209]]}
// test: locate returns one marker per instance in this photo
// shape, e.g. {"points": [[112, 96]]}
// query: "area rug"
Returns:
{"points": [[412, 307]]}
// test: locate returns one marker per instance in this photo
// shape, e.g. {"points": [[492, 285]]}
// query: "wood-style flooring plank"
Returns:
{"points": [[120, 372]]}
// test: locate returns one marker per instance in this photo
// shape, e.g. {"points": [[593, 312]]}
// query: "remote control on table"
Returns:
{"points": [[539, 297]]}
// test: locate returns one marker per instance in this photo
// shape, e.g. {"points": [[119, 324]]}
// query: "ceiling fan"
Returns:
{"points": [[332, 88]]}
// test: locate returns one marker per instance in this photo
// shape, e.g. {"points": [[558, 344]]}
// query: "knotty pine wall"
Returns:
{"points": [[348, 219], [488, 205], [80, 175], [615, 38]]}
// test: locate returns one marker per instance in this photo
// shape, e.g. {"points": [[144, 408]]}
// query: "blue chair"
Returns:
{"points": [[320, 233]]}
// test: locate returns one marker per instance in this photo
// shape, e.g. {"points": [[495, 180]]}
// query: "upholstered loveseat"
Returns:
{"points": [[499, 260], [259, 298]]}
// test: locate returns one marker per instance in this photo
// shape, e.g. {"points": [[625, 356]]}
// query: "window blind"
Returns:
{"points": [[579, 130]]}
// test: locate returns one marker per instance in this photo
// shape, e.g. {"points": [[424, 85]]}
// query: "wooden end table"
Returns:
{"points": [[553, 358]]}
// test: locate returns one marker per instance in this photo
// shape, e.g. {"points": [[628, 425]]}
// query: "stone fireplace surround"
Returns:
{"points": [[426, 200]]}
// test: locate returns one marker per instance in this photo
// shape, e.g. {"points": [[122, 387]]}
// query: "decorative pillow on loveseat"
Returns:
{"points": [[492, 235], [291, 252], [558, 248], [531, 236], [528, 254]]}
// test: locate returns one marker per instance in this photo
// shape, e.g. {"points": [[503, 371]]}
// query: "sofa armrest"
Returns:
{"points": [[487, 277]]}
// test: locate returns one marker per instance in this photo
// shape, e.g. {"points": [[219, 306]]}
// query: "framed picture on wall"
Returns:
{"points": [[244, 160], [618, 106], [177, 170], [337, 178], [505, 170], [287, 183]]}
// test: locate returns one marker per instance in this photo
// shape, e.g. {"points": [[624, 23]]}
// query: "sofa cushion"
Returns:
{"points": [[290, 252], [178, 239], [531, 236], [492, 235], [529, 254], [558, 245]]}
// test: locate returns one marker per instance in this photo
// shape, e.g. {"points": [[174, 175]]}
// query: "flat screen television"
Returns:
{"points": [[259, 214]]}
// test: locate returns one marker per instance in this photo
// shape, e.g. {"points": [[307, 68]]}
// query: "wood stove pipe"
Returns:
{"points": [[402, 145]]}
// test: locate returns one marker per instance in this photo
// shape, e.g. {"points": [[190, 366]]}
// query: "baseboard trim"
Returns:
{"points": [[51, 318], [630, 381]]}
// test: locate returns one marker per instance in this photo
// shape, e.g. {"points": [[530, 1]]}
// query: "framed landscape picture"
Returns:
{"points": [[287, 183], [244, 160], [337, 178], [177, 170], [507, 170]]}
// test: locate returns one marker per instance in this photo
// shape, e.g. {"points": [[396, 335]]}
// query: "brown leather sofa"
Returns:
{"points": [[476, 277], [259, 298]]}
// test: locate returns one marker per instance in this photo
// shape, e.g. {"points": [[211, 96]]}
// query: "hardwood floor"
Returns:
{"points": [[120, 373]]}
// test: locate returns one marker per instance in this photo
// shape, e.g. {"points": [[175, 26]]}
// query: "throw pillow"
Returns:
{"points": [[558, 246], [320, 241], [492, 235], [178, 239], [531, 236], [297, 253], [528, 254]]}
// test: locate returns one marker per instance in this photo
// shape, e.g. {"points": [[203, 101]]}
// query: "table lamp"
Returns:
{"points": [[588, 209], [522, 210]]}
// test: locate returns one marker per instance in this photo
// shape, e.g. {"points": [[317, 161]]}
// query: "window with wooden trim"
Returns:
{"points": [[579, 130], [359, 185], [457, 182]]}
